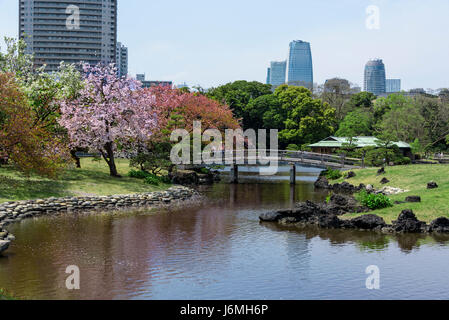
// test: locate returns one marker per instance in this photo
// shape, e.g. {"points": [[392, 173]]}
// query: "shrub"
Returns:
{"points": [[138, 174], [152, 179], [165, 179], [202, 170], [293, 147], [403, 161], [332, 174], [149, 178], [374, 201]]}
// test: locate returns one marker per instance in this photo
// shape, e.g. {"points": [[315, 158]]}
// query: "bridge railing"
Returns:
{"points": [[285, 155]]}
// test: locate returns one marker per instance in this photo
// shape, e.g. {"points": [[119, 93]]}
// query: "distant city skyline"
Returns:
{"points": [[216, 51]]}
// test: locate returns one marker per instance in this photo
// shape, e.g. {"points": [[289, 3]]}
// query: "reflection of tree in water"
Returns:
{"points": [[365, 240]]}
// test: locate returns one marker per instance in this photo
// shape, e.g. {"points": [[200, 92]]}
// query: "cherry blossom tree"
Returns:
{"points": [[109, 114], [179, 109]]}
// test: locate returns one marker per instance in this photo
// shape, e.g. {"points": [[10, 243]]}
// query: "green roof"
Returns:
{"points": [[360, 142]]}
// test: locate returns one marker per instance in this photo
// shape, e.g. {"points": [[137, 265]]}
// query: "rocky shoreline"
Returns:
{"points": [[327, 215], [12, 212]]}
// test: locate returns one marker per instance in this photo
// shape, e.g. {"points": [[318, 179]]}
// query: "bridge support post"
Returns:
{"points": [[234, 174], [293, 174], [292, 196]]}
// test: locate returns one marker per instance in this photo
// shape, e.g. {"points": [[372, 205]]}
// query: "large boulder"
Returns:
{"points": [[272, 216], [340, 204], [322, 183], [440, 225], [367, 222], [306, 211], [345, 187], [329, 221], [4, 245], [408, 223]]}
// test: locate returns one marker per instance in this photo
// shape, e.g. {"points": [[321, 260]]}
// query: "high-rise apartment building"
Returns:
{"points": [[69, 31], [277, 73], [299, 64], [393, 85], [375, 79], [122, 60]]}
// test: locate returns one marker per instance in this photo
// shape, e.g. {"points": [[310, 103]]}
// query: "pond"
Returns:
{"points": [[220, 250]]}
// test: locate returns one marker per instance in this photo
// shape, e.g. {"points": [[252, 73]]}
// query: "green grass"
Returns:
{"points": [[434, 203], [91, 180]]}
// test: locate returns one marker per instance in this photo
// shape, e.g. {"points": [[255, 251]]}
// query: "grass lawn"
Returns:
{"points": [[435, 203], [91, 180]]}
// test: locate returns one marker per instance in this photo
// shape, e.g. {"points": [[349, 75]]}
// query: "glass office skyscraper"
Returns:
{"points": [[375, 79], [277, 73], [299, 64], [393, 85]]}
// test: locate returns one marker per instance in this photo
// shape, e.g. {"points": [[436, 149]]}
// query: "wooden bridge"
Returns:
{"points": [[293, 158], [303, 158]]}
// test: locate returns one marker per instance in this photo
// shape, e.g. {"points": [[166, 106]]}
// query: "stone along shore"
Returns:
{"points": [[327, 215], [11, 212]]}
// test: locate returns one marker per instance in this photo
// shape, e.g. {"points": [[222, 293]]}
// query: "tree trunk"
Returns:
{"points": [[76, 158], [109, 158]]}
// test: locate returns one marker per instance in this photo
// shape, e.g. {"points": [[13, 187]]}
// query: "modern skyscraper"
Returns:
{"points": [[393, 85], [122, 60], [277, 73], [269, 76], [57, 30], [299, 64], [375, 80]]}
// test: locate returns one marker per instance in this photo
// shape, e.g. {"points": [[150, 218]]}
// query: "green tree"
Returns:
{"points": [[265, 112], [356, 123], [398, 116], [337, 92], [238, 95], [308, 119], [362, 100]]}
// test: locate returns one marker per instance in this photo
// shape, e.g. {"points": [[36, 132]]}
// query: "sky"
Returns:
{"points": [[209, 43]]}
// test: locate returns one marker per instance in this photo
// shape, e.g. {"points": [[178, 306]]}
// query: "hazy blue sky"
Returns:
{"points": [[211, 42]]}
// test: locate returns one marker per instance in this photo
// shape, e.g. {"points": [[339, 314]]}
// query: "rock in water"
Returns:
{"points": [[409, 223], [322, 183], [270, 217], [368, 222], [4, 245], [432, 185], [440, 225]]}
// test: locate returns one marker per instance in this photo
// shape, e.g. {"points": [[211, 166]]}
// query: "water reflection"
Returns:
{"points": [[365, 240], [218, 250]]}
